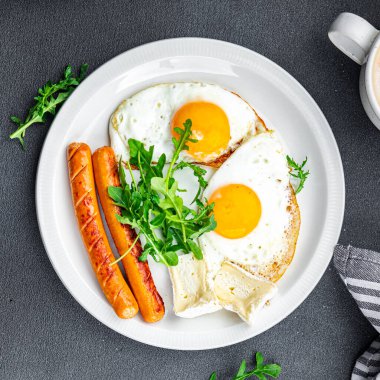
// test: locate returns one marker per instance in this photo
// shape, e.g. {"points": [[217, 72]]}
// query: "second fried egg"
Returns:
{"points": [[255, 210]]}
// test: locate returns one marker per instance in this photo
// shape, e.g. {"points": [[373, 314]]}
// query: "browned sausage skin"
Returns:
{"points": [[93, 234], [139, 276]]}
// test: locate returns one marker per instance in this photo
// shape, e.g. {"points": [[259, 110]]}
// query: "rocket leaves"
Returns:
{"points": [[152, 205]]}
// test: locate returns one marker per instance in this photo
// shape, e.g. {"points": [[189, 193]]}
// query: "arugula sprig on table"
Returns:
{"points": [[260, 371], [49, 97], [153, 207], [298, 171]]}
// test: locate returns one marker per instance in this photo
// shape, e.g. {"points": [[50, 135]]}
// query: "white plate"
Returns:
{"points": [[284, 105]]}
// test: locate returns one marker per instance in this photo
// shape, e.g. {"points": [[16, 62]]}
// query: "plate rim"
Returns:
{"points": [[338, 191]]}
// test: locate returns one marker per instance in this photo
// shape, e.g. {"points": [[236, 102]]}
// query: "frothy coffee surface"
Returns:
{"points": [[376, 76]]}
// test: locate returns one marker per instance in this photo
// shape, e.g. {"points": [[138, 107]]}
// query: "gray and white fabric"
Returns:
{"points": [[360, 271]]}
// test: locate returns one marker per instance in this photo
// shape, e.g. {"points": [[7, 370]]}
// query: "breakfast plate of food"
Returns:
{"points": [[189, 194]]}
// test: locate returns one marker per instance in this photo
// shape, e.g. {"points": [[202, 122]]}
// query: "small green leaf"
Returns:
{"points": [[158, 220], [242, 368], [144, 255], [121, 171], [179, 239], [273, 370], [136, 199], [116, 194], [134, 147], [61, 98], [178, 130], [207, 226], [158, 184], [213, 376], [259, 359], [68, 72], [16, 120], [178, 203], [171, 258], [83, 71], [124, 219], [161, 163], [195, 250]]}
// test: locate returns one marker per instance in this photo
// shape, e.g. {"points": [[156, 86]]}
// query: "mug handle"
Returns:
{"points": [[353, 35]]}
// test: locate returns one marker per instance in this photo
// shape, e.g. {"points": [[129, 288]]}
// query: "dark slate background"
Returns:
{"points": [[44, 333]]}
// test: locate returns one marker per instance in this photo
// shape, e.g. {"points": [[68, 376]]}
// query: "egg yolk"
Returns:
{"points": [[237, 210], [210, 127]]}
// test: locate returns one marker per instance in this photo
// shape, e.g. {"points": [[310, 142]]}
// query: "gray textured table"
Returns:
{"points": [[44, 333]]}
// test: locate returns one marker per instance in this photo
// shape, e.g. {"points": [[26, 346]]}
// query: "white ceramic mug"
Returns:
{"points": [[360, 41]]}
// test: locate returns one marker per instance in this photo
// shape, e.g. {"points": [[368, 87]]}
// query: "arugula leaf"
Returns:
{"points": [[297, 171], [242, 368], [198, 172], [259, 359], [153, 207], [116, 194], [261, 371], [48, 98], [158, 184], [194, 247], [170, 200], [171, 258], [122, 177], [158, 220], [179, 145], [206, 224]]}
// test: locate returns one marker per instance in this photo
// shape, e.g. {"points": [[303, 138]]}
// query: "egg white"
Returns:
{"points": [[147, 115]]}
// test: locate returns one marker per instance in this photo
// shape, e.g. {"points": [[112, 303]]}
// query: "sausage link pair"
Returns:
{"points": [[139, 276], [93, 234]]}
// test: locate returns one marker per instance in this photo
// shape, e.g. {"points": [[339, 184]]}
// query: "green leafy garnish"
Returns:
{"points": [[198, 172], [297, 171], [261, 371], [46, 102], [153, 207]]}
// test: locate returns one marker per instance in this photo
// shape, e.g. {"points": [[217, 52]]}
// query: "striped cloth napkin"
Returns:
{"points": [[360, 271]]}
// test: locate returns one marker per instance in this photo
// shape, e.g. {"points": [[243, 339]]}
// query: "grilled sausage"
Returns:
{"points": [[139, 276], [93, 234]]}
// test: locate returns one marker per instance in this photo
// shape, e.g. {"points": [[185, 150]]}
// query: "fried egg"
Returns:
{"points": [[255, 209], [221, 120]]}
